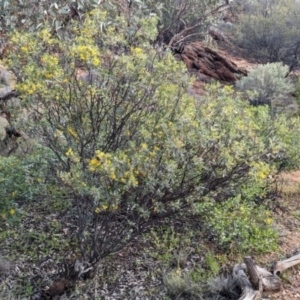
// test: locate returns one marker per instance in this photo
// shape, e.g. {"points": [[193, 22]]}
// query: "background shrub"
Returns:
{"points": [[33, 14], [269, 83], [184, 21], [269, 30]]}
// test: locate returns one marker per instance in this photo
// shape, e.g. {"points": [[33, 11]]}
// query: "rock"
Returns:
{"points": [[3, 125]]}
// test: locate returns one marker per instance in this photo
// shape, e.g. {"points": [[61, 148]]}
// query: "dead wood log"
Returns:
{"points": [[204, 60], [245, 285], [285, 264], [261, 278]]}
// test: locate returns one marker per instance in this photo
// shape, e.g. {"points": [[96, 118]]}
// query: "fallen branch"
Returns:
{"points": [[245, 285], [197, 23], [286, 264]]}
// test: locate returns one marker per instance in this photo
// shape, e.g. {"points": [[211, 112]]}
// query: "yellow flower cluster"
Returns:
{"points": [[260, 170], [49, 60], [269, 221], [70, 152], [138, 53], [87, 53], [72, 155], [72, 132], [228, 89], [113, 167], [144, 146], [12, 211], [28, 87], [105, 207], [137, 50], [51, 66], [24, 41]]}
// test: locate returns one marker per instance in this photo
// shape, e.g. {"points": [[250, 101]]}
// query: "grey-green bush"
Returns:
{"points": [[269, 30], [269, 82]]}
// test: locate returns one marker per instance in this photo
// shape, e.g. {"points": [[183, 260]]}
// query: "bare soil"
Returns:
{"points": [[287, 220]]}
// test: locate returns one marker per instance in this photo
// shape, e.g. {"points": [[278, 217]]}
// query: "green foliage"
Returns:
{"points": [[22, 179], [165, 241], [131, 145], [187, 18], [269, 30], [179, 284], [32, 15], [212, 263], [169, 246], [184, 21], [239, 226], [269, 82]]}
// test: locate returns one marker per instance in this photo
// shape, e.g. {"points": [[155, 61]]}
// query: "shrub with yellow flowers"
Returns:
{"points": [[132, 146]]}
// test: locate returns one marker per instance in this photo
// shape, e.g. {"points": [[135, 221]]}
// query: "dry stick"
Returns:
{"points": [[197, 23], [285, 264]]}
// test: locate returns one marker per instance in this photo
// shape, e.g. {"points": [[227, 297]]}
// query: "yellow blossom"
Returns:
{"points": [[96, 61], [269, 221], [228, 88], [104, 207], [72, 132], [24, 49], [97, 210], [100, 154], [144, 146], [70, 152], [12, 211], [138, 50], [49, 75], [262, 175], [94, 162]]}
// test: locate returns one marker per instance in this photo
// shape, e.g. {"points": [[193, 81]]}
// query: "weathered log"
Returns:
{"points": [[261, 278], [285, 264], [245, 285], [206, 61]]}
